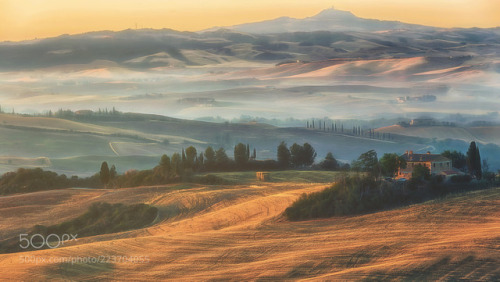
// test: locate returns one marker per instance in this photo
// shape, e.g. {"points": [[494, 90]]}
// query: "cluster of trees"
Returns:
{"points": [[31, 180], [296, 156], [182, 166], [355, 130], [103, 114], [366, 193], [175, 168], [360, 194], [350, 195], [470, 163], [107, 174], [388, 165], [458, 159]]}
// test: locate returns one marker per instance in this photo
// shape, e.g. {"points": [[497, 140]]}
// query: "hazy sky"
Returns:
{"points": [[28, 19]]}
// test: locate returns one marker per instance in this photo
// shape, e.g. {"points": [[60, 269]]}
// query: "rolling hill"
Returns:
{"points": [[136, 141], [329, 19], [483, 134], [251, 73], [217, 232]]}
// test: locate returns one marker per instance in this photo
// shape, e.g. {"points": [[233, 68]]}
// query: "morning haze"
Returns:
{"points": [[214, 140]]}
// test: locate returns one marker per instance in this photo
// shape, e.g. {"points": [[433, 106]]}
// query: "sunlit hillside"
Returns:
{"points": [[216, 232]]}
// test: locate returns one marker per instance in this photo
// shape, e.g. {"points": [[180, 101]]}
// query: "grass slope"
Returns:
{"points": [[485, 134], [79, 147], [238, 232]]}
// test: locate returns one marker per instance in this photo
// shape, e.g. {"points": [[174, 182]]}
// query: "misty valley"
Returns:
{"points": [[331, 147]]}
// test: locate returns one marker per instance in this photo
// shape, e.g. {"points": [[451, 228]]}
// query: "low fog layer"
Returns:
{"points": [[404, 71]]}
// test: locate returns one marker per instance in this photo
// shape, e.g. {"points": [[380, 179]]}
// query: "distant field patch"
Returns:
{"points": [[296, 176]]}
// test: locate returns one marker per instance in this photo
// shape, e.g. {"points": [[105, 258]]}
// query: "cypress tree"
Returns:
{"points": [[474, 161], [104, 174]]}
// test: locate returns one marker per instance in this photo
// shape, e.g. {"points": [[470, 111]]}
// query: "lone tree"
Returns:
{"points": [[329, 163], [104, 174], [283, 155], [308, 154], [390, 164], [209, 157], [183, 157], [200, 162], [176, 164], [241, 154], [296, 155], [221, 158], [474, 161], [368, 162], [165, 167], [190, 156], [112, 173]]}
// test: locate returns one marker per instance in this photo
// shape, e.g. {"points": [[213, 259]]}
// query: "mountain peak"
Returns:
{"points": [[334, 13], [326, 20]]}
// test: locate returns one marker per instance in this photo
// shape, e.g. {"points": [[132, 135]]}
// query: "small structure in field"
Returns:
{"points": [[263, 176]]}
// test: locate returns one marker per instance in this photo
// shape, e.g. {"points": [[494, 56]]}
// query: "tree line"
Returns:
{"points": [[355, 130], [182, 166], [367, 192]]}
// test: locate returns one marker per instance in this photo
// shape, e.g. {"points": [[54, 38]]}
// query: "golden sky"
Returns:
{"points": [[28, 19]]}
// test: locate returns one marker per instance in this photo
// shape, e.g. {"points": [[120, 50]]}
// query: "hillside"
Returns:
{"points": [[136, 141], [329, 19], [239, 232], [360, 72], [483, 134]]}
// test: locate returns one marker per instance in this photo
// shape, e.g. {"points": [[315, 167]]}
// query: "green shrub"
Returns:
{"points": [[103, 218], [356, 195], [351, 195], [100, 218], [31, 180], [461, 178]]}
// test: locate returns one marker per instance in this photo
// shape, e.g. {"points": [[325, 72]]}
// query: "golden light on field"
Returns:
{"points": [[239, 232], [20, 20]]}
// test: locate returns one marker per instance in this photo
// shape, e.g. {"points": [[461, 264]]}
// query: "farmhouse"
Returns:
{"points": [[437, 164]]}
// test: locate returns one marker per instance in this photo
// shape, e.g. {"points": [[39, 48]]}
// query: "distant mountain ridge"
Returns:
{"points": [[326, 20], [331, 34]]}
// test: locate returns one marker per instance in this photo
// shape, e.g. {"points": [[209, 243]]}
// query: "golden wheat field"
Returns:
{"points": [[239, 233]]}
